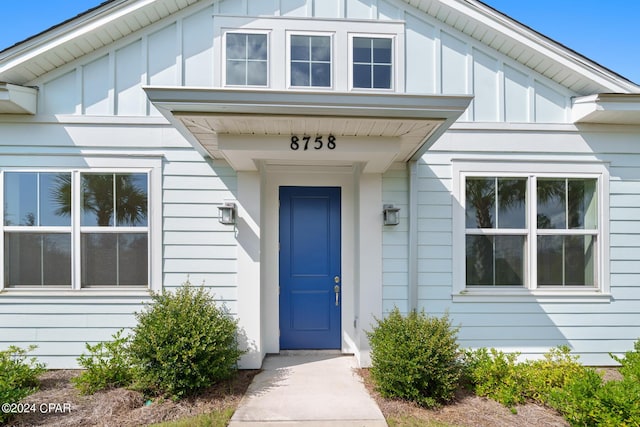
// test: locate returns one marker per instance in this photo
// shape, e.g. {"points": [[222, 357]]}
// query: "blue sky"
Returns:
{"points": [[605, 31]]}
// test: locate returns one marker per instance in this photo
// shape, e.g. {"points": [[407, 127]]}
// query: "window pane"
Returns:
{"points": [[509, 255], [55, 199], [300, 74], [361, 76], [37, 199], [321, 48], [361, 49], [582, 204], [131, 199], [480, 202], [382, 51], [257, 73], [299, 48], [479, 261], [551, 203], [236, 73], [321, 75], [246, 59], [236, 46], [495, 260], [97, 200], [114, 259], [257, 46], [37, 259], [566, 261], [512, 193], [382, 76]]}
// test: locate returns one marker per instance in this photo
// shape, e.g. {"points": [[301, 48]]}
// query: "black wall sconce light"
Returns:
{"points": [[391, 215]]}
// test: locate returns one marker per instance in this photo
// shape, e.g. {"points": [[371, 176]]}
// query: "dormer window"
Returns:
{"points": [[372, 59], [310, 64], [247, 59]]}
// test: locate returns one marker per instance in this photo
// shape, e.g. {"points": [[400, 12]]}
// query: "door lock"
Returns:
{"points": [[336, 279]]}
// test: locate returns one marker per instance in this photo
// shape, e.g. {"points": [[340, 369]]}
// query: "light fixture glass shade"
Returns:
{"points": [[227, 214], [391, 215]]}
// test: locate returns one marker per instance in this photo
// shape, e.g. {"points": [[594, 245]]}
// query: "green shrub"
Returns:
{"points": [[415, 358], [495, 374], [555, 370], [499, 376], [579, 400], [183, 342], [107, 366], [630, 363], [18, 376]]}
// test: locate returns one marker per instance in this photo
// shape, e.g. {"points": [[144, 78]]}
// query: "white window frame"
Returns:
{"points": [[149, 166], [332, 39], [394, 61], [532, 171], [226, 31]]}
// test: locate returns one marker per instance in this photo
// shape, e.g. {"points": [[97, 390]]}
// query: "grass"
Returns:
{"points": [[213, 419]]}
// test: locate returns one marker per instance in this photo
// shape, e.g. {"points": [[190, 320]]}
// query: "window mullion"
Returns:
{"points": [[76, 238], [532, 200]]}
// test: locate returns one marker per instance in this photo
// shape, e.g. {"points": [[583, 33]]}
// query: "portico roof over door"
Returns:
{"points": [[247, 127]]}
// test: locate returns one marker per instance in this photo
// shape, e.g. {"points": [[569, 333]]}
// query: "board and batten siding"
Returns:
{"points": [[181, 51], [195, 245], [590, 328]]}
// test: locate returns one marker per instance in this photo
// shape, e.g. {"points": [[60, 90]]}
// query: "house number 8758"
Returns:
{"points": [[318, 143]]}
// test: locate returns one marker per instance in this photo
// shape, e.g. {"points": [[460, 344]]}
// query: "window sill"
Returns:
{"points": [[110, 292], [545, 296]]}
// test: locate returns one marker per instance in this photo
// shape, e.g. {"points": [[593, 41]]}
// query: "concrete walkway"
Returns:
{"points": [[308, 389]]}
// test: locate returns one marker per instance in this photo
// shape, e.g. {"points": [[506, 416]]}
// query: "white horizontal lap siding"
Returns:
{"points": [[196, 246], [434, 230], [60, 326], [395, 261], [591, 329]]}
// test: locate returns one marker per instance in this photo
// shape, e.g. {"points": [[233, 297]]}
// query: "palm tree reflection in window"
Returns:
{"points": [[495, 203], [113, 201], [102, 194]]}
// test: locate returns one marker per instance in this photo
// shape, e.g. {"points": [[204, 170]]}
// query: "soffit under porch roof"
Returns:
{"points": [[246, 127]]}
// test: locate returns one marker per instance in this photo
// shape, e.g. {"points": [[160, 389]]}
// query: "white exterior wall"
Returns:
{"points": [[183, 51], [188, 239], [531, 326], [107, 85]]}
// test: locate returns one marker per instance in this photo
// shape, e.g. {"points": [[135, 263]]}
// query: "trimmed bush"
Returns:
{"points": [[498, 375], [183, 342], [415, 358], [586, 400], [18, 376], [495, 374], [108, 365]]}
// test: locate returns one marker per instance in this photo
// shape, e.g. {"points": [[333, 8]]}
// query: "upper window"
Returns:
{"points": [[310, 61], [534, 231], [247, 59], [61, 225], [372, 62]]}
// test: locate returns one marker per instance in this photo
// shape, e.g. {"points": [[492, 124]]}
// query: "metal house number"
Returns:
{"points": [[305, 142]]}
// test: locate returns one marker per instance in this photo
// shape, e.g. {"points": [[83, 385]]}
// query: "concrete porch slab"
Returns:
{"points": [[308, 389]]}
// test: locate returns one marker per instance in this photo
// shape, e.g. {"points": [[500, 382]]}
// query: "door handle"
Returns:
{"points": [[336, 289]]}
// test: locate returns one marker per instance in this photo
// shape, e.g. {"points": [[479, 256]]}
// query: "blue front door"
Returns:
{"points": [[310, 276]]}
